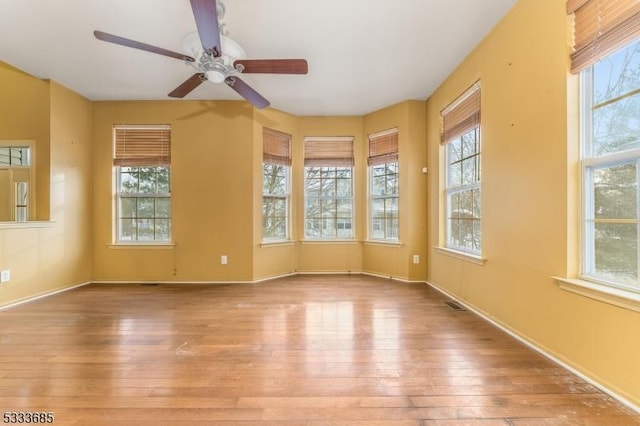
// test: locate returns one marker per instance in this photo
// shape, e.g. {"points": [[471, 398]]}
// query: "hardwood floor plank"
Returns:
{"points": [[309, 350]]}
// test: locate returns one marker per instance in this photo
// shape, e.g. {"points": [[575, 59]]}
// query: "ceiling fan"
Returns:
{"points": [[216, 57]]}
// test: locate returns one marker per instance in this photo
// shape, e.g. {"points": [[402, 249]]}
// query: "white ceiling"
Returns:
{"points": [[363, 54]]}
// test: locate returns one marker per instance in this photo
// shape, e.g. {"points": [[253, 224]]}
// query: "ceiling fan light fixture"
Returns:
{"points": [[215, 76]]}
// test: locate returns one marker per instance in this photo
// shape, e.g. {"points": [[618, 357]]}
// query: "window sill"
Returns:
{"points": [[601, 292], [478, 260], [28, 224], [329, 241], [142, 246], [276, 243], [383, 243]]}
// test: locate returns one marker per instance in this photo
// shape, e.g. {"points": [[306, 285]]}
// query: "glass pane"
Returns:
{"points": [[616, 252], [329, 208], [129, 182], [392, 168], [312, 187], [469, 175], [163, 207], [344, 187], [5, 159], [274, 179], [616, 127], [378, 170], [312, 228], [21, 214], [378, 187], [466, 233], [280, 207], [344, 208], [454, 205], [344, 172], [615, 190], [477, 235], [344, 228], [469, 147], [377, 208], [163, 230], [147, 179], [455, 175], [377, 228], [128, 207], [127, 229], [163, 181], [313, 208], [392, 185], [392, 227], [328, 188], [145, 230], [391, 205], [466, 204], [454, 151], [146, 207], [477, 205], [617, 74]]}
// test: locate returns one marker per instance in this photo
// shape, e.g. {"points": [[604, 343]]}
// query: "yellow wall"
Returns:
{"points": [[396, 260], [529, 156], [211, 189], [54, 255]]}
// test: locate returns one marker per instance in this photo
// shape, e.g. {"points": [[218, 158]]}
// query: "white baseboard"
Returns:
{"points": [[259, 280], [538, 349], [42, 295]]}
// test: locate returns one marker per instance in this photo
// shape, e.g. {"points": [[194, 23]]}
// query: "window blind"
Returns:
{"points": [[142, 146], [276, 147], [600, 28], [328, 151], [461, 115], [383, 147]]}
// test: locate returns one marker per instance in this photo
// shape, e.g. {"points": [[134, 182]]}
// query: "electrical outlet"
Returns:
{"points": [[223, 259], [5, 276], [416, 259]]}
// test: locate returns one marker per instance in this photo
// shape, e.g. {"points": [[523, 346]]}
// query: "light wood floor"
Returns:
{"points": [[313, 350]]}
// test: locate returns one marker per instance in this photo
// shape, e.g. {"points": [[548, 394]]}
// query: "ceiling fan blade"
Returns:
{"points": [[206, 14], [111, 38], [185, 88], [247, 92], [273, 66]]}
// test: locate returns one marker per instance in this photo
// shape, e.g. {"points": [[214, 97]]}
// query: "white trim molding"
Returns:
{"points": [[478, 260], [604, 293]]}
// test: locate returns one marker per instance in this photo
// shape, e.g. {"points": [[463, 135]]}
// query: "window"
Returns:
{"points": [[383, 185], [607, 56], [328, 188], [276, 165], [15, 178], [461, 139], [142, 159], [610, 168]]}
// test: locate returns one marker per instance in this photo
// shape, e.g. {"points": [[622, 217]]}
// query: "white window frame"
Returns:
{"points": [[451, 190], [588, 164], [286, 197], [21, 210], [119, 195], [322, 198], [388, 235], [131, 195]]}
